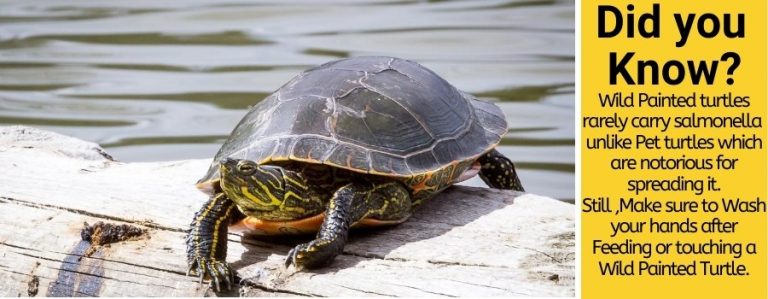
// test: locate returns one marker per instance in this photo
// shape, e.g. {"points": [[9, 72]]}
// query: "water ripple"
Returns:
{"points": [[164, 79]]}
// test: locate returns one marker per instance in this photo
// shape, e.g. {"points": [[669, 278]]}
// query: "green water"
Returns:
{"points": [[164, 80]]}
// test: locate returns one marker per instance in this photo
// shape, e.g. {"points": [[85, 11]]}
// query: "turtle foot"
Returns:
{"points": [[314, 254], [221, 275]]}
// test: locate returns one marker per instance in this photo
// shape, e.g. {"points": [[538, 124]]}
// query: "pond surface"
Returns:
{"points": [[164, 80]]}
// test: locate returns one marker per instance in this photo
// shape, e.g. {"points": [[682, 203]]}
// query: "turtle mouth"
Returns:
{"points": [[228, 175], [211, 187]]}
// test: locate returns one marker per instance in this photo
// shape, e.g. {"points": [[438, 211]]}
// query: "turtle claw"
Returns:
{"points": [[310, 255], [219, 272], [228, 275], [296, 256]]}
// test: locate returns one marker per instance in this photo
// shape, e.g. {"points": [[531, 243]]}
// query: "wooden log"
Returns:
{"points": [[465, 242]]}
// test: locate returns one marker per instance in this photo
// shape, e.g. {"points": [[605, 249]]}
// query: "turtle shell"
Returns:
{"points": [[374, 115]]}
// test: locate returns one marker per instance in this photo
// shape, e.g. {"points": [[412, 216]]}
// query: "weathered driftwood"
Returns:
{"points": [[467, 241]]}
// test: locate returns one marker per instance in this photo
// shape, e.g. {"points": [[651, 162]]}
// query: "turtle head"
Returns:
{"points": [[267, 192], [252, 186]]}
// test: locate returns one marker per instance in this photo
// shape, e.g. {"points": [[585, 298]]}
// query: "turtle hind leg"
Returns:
{"points": [[350, 204], [498, 172], [207, 241]]}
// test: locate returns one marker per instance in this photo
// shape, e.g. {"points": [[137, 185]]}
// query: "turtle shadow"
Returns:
{"points": [[455, 207], [258, 248]]}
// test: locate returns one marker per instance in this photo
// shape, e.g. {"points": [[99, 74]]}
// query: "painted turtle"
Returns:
{"points": [[353, 142]]}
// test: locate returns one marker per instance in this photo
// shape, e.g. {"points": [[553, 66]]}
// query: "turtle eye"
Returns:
{"points": [[246, 167]]}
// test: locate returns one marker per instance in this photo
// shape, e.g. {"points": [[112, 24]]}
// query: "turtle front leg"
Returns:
{"points": [[207, 242], [498, 172], [385, 202]]}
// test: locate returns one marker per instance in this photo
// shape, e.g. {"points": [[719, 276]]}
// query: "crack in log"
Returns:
{"points": [[91, 214], [425, 291], [18, 247], [52, 283], [24, 274], [182, 273], [364, 291], [94, 258], [108, 217], [110, 278], [251, 284], [440, 263], [489, 286], [84, 273]]}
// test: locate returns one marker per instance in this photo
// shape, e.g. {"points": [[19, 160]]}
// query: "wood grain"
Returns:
{"points": [[465, 242]]}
